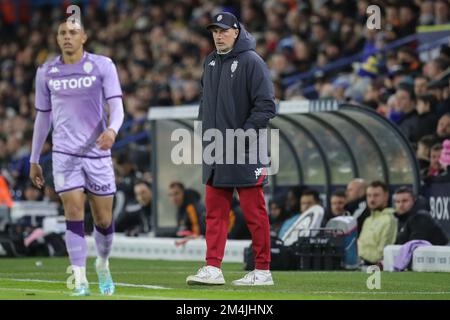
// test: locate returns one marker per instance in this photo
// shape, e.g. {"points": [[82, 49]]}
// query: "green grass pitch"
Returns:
{"points": [[165, 280]]}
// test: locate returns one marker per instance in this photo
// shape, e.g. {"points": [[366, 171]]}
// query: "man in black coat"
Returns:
{"points": [[406, 103], [136, 216], [413, 223], [237, 94]]}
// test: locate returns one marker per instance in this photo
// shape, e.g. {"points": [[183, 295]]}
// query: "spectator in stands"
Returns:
{"points": [[293, 200], [277, 214], [435, 167], [337, 206], [444, 161], [191, 92], [443, 128], [406, 103], [308, 199], [407, 19], [409, 61], [136, 216], [392, 110], [423, 153], [380, 228], [190, 214], [356, 201], [31, 193], [126, 179], [144, 196], [434, 69], [426, 13], [413, 223], [441, 90], [441, 12], [427, 119], [420, 85], [126, 171]]}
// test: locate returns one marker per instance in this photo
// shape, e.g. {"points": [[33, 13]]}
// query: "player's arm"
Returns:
{"points": [[41, 127], [261, 94], [113, 95], [116, 115]]}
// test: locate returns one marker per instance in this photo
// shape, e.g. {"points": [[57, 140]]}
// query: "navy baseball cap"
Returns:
{"points": [[224, 20]]}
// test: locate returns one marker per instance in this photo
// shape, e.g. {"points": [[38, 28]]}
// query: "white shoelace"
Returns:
{"points": [[251, 276], [205, 271]]}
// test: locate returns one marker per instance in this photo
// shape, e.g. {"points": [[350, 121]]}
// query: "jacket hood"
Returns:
{"points": [[244, 42]]}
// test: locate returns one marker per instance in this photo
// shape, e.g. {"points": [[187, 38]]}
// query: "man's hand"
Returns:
{"points": [[36, 175], [106, 139]]}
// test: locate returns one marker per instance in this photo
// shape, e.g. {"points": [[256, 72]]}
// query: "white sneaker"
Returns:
{"points": [[255, 278], [206, 275]]}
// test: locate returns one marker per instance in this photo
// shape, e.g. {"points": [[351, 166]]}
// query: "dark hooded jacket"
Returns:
{"points": [[418, 224], [237, 93]]}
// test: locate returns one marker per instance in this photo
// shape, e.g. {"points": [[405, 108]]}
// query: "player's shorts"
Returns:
{"points": [[93, 175]]}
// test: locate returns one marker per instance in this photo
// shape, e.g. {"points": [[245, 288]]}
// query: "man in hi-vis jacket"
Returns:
{"points": [[237, 94]]}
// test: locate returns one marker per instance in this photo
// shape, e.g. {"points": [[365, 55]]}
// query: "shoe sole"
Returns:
{"points": [[199, 282], [253, 284], [87, 294]]}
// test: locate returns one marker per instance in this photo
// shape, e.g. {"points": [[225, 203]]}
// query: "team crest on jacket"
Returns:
{"points": [[258, 172], [87, 67], [234, 66]]}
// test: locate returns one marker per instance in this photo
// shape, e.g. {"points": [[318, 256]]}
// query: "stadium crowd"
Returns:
{"points": [[159, 47]]}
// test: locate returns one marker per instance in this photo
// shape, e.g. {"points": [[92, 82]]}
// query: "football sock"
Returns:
{"points": [[103, 240], [77, 249]]}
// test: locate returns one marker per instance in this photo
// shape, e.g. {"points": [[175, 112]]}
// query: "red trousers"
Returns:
{"points": [[218, 203]]}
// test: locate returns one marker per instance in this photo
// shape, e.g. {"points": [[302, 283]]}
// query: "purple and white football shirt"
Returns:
{"points": [[76, 94]]}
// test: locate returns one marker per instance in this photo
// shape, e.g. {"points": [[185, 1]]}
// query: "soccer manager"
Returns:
{"points": [[237, 93]]}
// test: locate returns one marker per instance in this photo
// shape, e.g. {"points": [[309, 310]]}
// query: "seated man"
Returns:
{"points": [[135, 218], [308, 199], [413, 223], [191, 213], [380, 227], [356, 201], [337, 207], [277, 214]]}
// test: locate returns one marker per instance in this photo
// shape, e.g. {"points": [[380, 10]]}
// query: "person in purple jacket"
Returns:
{"points": [[79, 94]]}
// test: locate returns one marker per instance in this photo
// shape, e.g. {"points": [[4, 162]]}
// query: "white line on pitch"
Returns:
{"points": [[118, 284], [382, 292], [94, 295]]}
